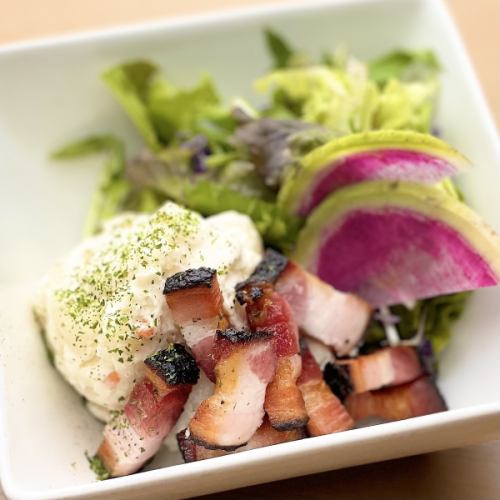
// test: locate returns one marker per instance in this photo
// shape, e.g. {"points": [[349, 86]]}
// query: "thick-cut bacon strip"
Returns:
{"points": [[268, 311], [326, 413], [245, 364], [284, 402], [420, 397], [335, 318], [192, 452], [265, 435], [387, 367], [136, 433], [196, 304]]}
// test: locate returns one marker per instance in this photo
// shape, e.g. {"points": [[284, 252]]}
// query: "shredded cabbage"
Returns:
{"points": [[347, 101]]}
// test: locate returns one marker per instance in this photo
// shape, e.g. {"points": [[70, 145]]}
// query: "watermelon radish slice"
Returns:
{"points": [[383, 154], [394, 242]]}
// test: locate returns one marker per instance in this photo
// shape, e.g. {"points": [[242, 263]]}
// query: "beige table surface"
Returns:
{"points": [[467, 473]]}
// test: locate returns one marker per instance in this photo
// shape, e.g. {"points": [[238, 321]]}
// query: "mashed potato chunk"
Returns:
{"points": [[102, 307]]}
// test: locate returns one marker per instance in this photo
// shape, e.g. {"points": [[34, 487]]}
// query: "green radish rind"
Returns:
{"points": [[300, 179]]}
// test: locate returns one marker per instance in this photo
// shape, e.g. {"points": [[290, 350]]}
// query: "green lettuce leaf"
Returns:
{"points": [[163, 113], [347, 101], [281, 52], [339, 100], [408, 106], [210, 194], [404, 65], [278, 48], [130, 84], [175, 110], [113, 189], [276, 228]]}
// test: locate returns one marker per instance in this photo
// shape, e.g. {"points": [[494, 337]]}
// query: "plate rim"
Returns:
{"points": [[207, 20]]}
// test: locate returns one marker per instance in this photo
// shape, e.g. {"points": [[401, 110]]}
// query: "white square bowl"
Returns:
{"points": [[50, 93]]}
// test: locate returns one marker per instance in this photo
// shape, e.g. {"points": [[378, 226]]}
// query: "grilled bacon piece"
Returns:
{"points": [[195, 301], [420, 397], [383, 368], [326, 413], [245, 364], [268, 311], [284, 402], [337, 378], [192, 452], [265, 435], [335, 318], [137, 433]]}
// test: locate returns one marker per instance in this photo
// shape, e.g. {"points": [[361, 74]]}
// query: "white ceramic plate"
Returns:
{"points": [[50, 93]]}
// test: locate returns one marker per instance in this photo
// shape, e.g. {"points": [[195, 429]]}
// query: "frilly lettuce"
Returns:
{"points": [[404, 65], [164, 113], [209, 194], [406, 106], [346, 100], [322, 95], [175, 110], [129, 84]]}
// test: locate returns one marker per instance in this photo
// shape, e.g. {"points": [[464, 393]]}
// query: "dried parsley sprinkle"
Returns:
{"points": [[97, 467], [104, 278]]}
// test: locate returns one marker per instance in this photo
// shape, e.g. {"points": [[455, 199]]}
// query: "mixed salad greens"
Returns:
{"points": [[213, 156]]}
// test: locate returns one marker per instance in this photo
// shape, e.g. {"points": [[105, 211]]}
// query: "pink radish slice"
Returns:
{"points": [[397, 155], [392, 164], [393, 243]]}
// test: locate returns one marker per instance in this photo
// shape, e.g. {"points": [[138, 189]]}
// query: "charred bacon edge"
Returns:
{"points": [[201, 277], [337, 378], [267, 271], [291, 425], [174, 365], [203, 283], [208, 446], [187, 447], [241, 336]]}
